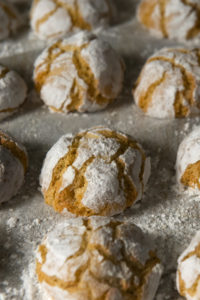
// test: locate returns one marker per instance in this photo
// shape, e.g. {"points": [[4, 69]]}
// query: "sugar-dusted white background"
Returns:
{"points": [[170, 217]]}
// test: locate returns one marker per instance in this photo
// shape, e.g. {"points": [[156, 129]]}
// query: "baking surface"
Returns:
{"points": [[171, 217]]}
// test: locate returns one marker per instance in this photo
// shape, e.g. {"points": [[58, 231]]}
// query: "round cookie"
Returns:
{"points": [[81, 73], [188, 161], [9, 19], [13, 92], [188, 272], [173, 19], [96, 172], [13, 165], [54, 19], [98, 258], [169, 84]]}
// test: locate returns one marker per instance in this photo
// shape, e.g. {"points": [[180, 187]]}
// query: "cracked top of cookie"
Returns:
{"points": [[174, 19], [168, 85], [13, 91], [188, 161], [188, 272], [55, 18], [81, 73], [9, 19], [13, 165], [96, 172], [99, 258]]}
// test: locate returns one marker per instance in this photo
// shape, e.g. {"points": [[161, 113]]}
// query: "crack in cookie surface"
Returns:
{"points": [[90, 270], [71, 196], [183, 287], [9, 11], [72, 11], [195, 30], [11, 145], [161, 22], [183, 94], [86, 89]]}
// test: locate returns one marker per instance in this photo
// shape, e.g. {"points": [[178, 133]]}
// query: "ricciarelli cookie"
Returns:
{"points": [[96, 172], [99, 258], [9, 19], [13, 165], [188, 161], [169, 84], [174, 19], [81, 73], [188, 273], [54, 19], [13, 92]]}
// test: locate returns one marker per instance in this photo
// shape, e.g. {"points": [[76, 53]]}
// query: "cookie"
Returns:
{"points": [[99, 258], [188, 273], [173, 19], [168, 85], [9, 19], [13, 165], [13, 92], [96, 172], [54, 19], [188, 161], [81, 73]]}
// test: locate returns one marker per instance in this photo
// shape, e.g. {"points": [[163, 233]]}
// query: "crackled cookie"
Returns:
{"points": [[13, 165], [9, 19], [55, 18], [174, 19], [188, 161], [169, 84], [188, 273], [13, 91], [97, 258], [81, 73], [96, 172]]}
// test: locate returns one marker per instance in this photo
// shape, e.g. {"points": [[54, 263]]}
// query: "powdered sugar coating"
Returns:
{"points": [[55, 18], [174, 19], [114, 170], [188, 272], [99, 257], [188, 154], [13, 91], [13, 163], [169, 84], [9, 19], [80, 73]]}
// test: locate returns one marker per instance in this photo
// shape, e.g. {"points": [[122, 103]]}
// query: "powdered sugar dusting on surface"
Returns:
{"points": [[64, 258], [175, 20], [164, 71], [188, 153], [13, 92], [50, 19], [105, 185], [188, 268], [63, 78], [169, 215]]}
